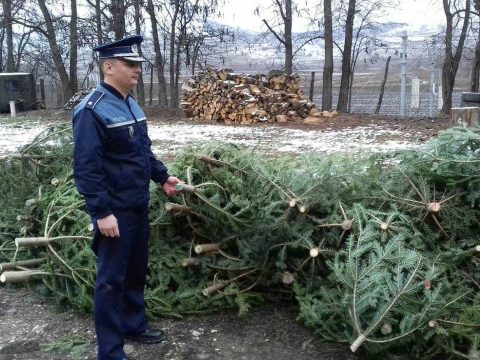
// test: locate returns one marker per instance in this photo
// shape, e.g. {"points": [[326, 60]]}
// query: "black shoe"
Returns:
{"points": [[148, 337]]}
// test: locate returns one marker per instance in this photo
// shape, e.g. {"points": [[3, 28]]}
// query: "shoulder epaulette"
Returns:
{"points": [[94, 99]]}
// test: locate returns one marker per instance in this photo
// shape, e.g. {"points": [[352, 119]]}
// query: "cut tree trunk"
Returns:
{"points": [[14, 265], [469, 116]]}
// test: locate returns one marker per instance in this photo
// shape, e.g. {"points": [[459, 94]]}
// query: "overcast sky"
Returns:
{"points": [[413, 12]]}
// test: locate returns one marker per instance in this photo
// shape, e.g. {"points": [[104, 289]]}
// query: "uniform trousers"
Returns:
{"points": [[119, 290]]}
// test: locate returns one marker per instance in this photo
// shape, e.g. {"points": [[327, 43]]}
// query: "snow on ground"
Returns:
{"points": [[14, 134], [169, 138]]}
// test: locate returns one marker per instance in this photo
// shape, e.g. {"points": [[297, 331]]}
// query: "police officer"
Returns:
{"points": [[113, 165]]}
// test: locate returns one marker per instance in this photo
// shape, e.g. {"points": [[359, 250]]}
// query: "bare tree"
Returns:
{"points": [[68, 87], [2, 37], [284, 8], [8, 23], [367, 35], [118, 10], [328, 65], [138, 30], [453, 56], [346, 58], [475, 77], [159, 57], [73, 47], [173, 12]]}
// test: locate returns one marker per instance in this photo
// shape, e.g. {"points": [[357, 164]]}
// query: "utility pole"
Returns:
{"points": [[404, 73]]}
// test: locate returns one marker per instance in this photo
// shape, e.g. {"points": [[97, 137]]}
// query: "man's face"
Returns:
{"points": [[123, 73]]}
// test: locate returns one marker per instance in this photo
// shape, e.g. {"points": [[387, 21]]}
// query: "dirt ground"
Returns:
{"points": [[30, 323]]}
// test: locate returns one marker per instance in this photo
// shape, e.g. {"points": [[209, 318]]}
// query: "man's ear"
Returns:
{"points": [[107, 67]]}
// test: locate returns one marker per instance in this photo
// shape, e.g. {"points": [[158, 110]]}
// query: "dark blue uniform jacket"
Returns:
{"points": [[113, 162]]}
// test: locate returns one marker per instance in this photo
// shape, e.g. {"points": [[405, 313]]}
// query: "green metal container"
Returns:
{"points": [[18, 87]]}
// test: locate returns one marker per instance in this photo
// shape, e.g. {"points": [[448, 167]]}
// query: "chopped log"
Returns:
{"points": [[215, 287], [312, 120], [209, 160], [185, 188], [281, 118], [21, 263], [177, 208], [32, 241], [303, 208], [467, 116], [329, 114], [358, 342], [206, 248], [314, 252], [189, 262], [288, 278], [241, 99], [18, 276], [347, 224]]}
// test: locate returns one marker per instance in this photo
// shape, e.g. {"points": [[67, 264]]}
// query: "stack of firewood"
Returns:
{"points": [[223, 96]]}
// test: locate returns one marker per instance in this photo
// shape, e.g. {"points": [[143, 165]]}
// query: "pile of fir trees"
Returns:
{"points": [[380, 251]]}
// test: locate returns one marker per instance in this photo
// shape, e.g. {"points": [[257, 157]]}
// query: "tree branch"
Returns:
{"points": [[306, 42], [274, 33]]}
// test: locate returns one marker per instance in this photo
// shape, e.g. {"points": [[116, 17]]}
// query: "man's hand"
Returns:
{"points": [[169, 186], [108, 226]]}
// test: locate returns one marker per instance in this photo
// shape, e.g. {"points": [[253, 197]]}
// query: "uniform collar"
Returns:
{"points": [[113, 90]]}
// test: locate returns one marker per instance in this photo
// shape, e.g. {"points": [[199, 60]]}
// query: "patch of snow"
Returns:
{"points": [[13, 136], [168, 139]]}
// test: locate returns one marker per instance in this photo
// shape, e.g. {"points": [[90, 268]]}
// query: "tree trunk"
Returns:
{"points": [[475, 80], [118, 10], [352, 75], [328, 65], [98, 22], [350, 85], [288, 37], [7, 20], [73, 47], [382, 87], [159, 61], [173, 96], [24, 41], [138, 29], [2, 37], [196, 51], [346, 58], [56, 55], [177, 74], [452, 60]]}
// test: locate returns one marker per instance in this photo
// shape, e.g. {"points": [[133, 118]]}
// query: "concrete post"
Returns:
{"points": [[440, 98], [13, 111], [432, 89], [415, 101], [404, 74]]}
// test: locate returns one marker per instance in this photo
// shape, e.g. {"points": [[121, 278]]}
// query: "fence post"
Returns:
{"points": [[432, 88], [404, 73], [312, 85], [440, 97], [415, 101]]}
